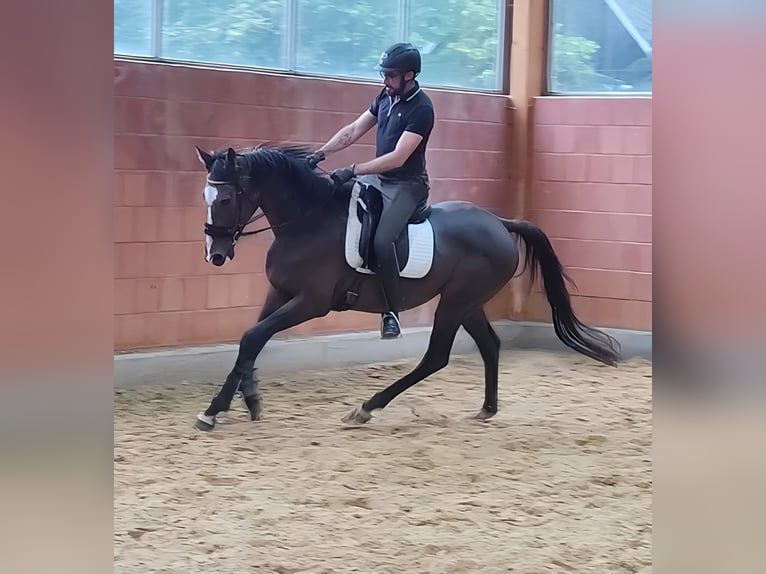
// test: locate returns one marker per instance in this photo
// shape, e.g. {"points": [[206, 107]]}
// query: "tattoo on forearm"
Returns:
{"points": [[342, 139], [345, 135]]}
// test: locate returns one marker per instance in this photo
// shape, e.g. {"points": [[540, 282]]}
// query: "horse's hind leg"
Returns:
{"points": [[479, 328], [446, 323]]}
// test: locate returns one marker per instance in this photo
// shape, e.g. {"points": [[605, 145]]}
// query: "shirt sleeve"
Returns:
{"points": [[421, 121]]}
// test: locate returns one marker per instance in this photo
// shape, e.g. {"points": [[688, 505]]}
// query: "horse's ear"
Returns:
{"points": [[231, 160], [205, 158]]}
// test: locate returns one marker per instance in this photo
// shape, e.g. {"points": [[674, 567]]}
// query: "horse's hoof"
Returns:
{"points": [[253, 405], [484, 414], [357, 416], [204, 423]]}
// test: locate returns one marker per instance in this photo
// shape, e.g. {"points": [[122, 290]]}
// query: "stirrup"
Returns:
{"points": [[387, 331]]}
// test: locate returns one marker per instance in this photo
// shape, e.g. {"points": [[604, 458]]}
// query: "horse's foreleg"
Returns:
{"points": [[248, 384], [279, 313]]}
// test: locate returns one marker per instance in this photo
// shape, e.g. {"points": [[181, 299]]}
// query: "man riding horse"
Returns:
{"points": [[404, 116], [471, 252]]}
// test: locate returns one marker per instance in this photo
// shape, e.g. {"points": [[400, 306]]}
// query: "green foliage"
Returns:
{"points": [[458, 38], [572, 68], [237, 32], [344, 38]]}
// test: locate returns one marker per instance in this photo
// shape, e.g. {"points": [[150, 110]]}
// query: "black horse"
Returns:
{"points": [[319, 262]]}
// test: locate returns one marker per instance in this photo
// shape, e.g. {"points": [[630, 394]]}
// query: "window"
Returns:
{"points": [[602, 46], [133, 27], [343, 37], [460, 40], [224, 32]]}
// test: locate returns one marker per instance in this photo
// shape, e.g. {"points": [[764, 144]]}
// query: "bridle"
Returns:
{"points": [[238, 229]]}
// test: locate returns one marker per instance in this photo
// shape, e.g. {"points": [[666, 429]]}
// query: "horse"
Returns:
{"points": [[320, 261]]}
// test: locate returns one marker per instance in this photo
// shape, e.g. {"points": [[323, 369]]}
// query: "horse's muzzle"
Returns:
{"points": [[220, 249]]}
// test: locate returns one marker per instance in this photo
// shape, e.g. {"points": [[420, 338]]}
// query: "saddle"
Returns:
{"points": [[369, 208], [414, 247]]}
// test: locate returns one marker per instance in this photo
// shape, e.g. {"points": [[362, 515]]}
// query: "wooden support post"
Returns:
{"points": [[528, 75]]}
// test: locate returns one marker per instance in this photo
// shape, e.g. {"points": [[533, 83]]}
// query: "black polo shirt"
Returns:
{"points": [[414, 113]]}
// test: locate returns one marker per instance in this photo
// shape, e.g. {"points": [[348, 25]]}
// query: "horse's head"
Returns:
{"points": [[230, 204]]}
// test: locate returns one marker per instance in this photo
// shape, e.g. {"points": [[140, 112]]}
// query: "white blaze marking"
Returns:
{"points": [[210, 195]]}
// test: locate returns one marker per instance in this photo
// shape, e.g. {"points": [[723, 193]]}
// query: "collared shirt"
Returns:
{"points": [[414, 113]]}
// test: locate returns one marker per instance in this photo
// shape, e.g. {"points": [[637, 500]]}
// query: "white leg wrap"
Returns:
{"points": [[206, 419]]}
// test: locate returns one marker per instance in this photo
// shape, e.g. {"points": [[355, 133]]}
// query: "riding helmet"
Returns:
{"points": [[400, 57]]}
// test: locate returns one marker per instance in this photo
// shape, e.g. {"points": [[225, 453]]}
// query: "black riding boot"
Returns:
{"points": [[389, 277], [389, 326]]}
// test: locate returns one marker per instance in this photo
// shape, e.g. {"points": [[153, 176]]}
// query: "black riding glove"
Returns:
{"points": [[314, 158], [343, 175]]}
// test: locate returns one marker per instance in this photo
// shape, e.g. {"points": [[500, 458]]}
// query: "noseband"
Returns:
{"points": [[238, 229]]}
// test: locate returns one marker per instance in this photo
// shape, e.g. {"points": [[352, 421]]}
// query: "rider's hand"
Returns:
{"points": [[343, 175], [314, 158]]}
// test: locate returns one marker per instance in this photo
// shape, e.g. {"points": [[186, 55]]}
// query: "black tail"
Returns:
{"points": [[569, 329]]}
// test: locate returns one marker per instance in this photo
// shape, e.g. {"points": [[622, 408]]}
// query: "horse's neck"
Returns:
{"points": [[277, 210], [282, 203]]}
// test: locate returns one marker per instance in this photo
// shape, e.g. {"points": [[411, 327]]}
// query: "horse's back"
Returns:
{"points": [[461, 216], [462, 226]]}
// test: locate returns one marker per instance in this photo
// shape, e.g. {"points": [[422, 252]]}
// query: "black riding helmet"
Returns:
{"points": [[400, 57]]}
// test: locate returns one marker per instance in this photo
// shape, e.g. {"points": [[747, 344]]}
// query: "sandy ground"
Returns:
{"points": [[559, 481]]}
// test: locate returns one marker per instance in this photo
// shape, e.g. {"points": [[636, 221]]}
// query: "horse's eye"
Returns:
{"points": [[225, 201]]}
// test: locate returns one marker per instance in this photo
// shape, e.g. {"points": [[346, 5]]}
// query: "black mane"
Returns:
{"points": [[284, 170]]}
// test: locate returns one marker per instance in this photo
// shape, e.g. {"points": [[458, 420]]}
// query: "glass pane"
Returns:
{"points": [[601, 46], [459, 40], [133, 27], [344, 37], [236, 32]]}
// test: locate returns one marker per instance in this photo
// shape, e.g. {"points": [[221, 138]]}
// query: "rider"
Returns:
{"points": [[404, 116]]}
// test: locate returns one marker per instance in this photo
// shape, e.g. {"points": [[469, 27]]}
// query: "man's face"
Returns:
{"points": [[392, 81]]}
